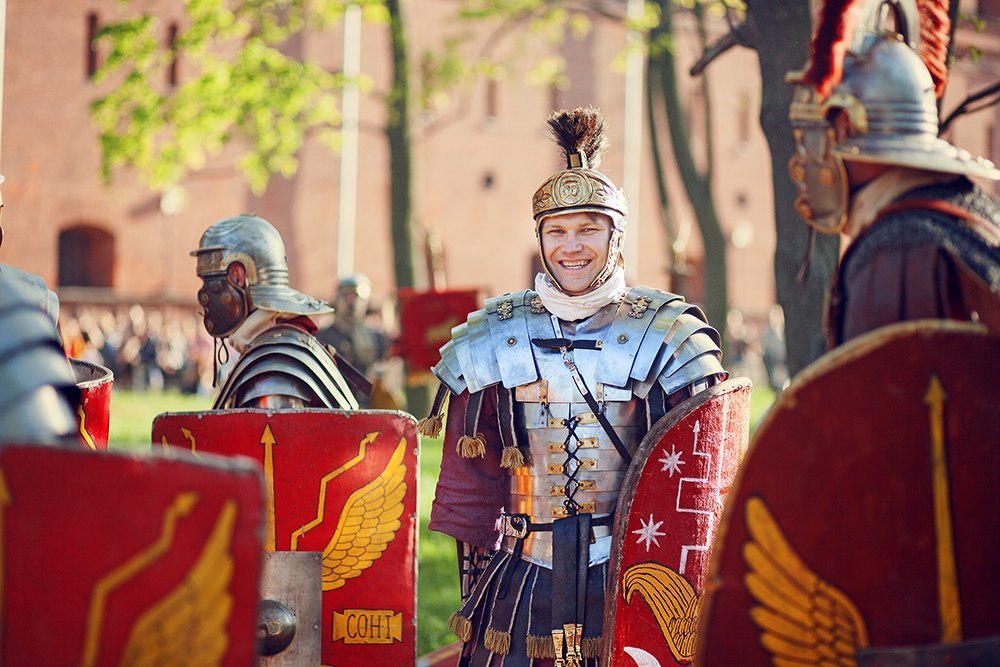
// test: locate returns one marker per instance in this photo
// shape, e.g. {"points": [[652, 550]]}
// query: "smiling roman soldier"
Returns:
{"points": [[550, 391]]}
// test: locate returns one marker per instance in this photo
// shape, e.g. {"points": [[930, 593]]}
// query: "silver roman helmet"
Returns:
{"points": [[887, 84], [257, 245], [581, 134]]}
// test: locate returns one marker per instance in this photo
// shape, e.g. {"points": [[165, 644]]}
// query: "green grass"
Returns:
{"points": [[437, 574], [132, 414]]}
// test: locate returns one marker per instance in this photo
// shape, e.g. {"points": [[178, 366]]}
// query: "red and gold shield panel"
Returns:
{"points": [[94, 412], [863, 522], [108, 559], [343, 484], [668, 512], [426, 319]]}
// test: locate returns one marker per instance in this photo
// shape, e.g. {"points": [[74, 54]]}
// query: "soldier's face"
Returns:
{"points": [[575, 249]]}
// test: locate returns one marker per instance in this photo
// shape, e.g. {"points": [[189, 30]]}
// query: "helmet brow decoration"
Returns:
{"points": [[581, 134]]}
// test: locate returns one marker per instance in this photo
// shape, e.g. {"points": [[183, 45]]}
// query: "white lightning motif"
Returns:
{"points": [[711, 478], [649, 532], [672, 461], [642, 658]]}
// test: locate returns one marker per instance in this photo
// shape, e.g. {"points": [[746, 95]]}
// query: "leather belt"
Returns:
{"points": [[519, 525]]}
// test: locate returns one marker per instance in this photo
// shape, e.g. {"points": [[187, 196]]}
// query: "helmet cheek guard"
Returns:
{"points": [[226, 305], [821, 179]]}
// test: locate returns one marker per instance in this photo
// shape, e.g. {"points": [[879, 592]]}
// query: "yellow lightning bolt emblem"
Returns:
{"points": [[267, 439], [948, 601], [330, 476], [87, 438], [368, 521], [197, 608], [182, 506]]}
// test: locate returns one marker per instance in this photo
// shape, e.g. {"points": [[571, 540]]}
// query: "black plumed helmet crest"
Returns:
{"points": [[582, 135]]}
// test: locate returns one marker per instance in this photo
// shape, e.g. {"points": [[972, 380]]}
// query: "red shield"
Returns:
{"points": [[94, 414], [344, 484], [668, 512], [108, 559], [865, 514], [426, 320]]}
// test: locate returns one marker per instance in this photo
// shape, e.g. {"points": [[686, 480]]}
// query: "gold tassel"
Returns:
{"points": [[497, 641], [512, 457], [430, 426], [461, 626], [472, 447], [540, 646], [591, 647]]}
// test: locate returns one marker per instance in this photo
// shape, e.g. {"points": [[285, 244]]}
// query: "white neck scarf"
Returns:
{"points": [[571, 308], [255, 324]]}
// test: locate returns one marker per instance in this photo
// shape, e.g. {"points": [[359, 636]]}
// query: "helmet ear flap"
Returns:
{"points": [[237, 274]]}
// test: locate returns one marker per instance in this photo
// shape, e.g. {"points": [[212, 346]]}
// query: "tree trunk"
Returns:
{"points": [[697, 185], [398, 134], [803, 301], [401, 186], [676, 268]]}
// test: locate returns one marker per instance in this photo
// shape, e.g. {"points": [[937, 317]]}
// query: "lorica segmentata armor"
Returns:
{"points": [[571, 465]]}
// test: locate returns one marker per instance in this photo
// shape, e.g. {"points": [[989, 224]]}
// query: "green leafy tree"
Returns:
{"points": [[803, 262], [662, 83], [801, 293], [554, 21], [247, 88]]}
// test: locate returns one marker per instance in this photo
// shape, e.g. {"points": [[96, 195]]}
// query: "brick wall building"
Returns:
{"points": [[473, 175]]}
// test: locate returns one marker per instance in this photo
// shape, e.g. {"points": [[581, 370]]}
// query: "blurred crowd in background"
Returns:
{"points": [[147, 349], [757, 349], [167, 348]]}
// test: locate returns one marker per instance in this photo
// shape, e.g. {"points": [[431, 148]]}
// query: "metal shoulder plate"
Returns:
{"points": [[286, 360], [34, 289], [658, 335], [38, 397], [492, 346]]}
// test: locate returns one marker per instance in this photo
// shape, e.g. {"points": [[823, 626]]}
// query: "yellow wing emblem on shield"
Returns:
{"points": [[804, 620], [673, 601], [188, 626], [368, 522]]}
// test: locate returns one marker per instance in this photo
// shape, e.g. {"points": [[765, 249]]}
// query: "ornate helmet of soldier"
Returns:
{"points": [[243, 268], [879, 65], [580, 189]]}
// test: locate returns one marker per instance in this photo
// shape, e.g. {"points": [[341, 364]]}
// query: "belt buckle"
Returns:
{"points": [[511, 527]]}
